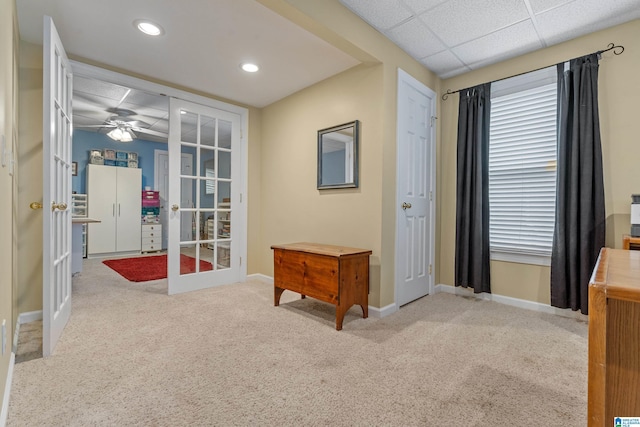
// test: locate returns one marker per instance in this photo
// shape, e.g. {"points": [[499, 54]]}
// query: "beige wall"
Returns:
{"points": [[8, 117], [29, 296], [333, 22], [619, 89], [292, 207]]}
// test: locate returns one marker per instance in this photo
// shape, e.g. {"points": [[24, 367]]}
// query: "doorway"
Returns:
{"points": [[145, 91]]}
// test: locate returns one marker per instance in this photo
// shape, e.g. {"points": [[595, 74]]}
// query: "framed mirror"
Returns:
{"points": [[338, 156]]}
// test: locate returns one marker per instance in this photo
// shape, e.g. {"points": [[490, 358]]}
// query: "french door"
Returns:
{"points": [[205, 253], [56, 191]]}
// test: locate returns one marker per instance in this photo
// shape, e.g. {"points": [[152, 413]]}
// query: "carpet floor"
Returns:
{"points": [[131, 355]]}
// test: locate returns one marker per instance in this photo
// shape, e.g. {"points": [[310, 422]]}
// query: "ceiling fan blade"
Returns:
{"points": [[150, 132], [106, 125]]}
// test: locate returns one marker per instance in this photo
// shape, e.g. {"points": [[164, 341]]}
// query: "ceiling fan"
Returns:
{"points": [[122, 129]]}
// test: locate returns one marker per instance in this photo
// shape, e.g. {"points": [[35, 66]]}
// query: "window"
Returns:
{"points": [[522, 167]]}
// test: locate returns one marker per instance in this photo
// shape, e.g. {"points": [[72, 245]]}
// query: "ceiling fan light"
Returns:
{"points": [[126, 136], [115, 134]]}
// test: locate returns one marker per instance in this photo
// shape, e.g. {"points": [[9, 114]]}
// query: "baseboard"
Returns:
{"points": [[30, 316], [4, 412], [514, 302], [373, 311], [385, 311], [261, 277]]}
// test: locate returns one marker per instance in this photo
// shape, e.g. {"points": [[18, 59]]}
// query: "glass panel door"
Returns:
{"points": [[203, 194]]}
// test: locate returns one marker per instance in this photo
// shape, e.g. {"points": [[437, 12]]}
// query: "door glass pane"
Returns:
{"points": [[206, 226], [224, 194], [207, 131], [224, 134], [224, 164], [187, 226], [207, 160], [206, 257], [188, 257], [188, 127], [223, 255], [224, 224], [187, 191], [207, 193], [187, 156]]}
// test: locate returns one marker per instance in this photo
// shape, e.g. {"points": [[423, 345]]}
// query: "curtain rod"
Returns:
{"points": [[611, 46]]}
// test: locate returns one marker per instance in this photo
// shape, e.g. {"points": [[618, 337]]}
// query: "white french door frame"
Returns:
{"points": [[240, 219], [406, 78]]}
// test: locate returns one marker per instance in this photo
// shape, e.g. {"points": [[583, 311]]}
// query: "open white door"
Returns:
{"points": [[415, 212], [56, 189], [208, 253]]}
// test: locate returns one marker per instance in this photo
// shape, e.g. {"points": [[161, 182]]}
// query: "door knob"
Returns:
{"points": [[406, 206], [175, 207], [35, 205], [59, 206]]}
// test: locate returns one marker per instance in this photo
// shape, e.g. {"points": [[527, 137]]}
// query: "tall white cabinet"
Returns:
{"points": [[114, 199]]}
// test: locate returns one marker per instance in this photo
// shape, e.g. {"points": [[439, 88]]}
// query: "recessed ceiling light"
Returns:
{"points": [[148, 27], [249, 68]]}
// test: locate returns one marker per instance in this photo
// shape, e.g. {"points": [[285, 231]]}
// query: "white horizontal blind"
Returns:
{"points": [[522, 166]]}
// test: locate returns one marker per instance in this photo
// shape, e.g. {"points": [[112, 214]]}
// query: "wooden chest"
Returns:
{"points": [[335, 274]]}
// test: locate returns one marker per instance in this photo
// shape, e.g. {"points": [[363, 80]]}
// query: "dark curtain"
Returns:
{"points": [[472, 190], [580, 218]]}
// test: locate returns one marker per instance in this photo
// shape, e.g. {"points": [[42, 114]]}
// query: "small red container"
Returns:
{"points": [[148, 195], [150, 203]]}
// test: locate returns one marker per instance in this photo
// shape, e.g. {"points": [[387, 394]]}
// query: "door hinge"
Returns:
{"points": [[240, 261], [240, 197], [433, 120], [430, 195], [430, 269]]}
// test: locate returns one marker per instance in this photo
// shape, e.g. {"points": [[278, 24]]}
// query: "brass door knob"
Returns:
{"points": [[406, 206], [59, 206], [35, 205], [175, 207]]}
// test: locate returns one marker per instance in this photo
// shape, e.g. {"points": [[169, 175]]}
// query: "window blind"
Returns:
{"points": [[522, 169]]}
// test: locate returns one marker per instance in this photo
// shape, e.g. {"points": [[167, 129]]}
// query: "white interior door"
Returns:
{"points": [[56, 190], [206, 196], [415, 207]]}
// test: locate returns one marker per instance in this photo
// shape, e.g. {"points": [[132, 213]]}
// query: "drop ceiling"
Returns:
{"points": [[451, 37], [206, 41]]}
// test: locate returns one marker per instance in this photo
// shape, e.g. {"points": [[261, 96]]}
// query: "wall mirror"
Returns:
{"points": [[338, 156]]}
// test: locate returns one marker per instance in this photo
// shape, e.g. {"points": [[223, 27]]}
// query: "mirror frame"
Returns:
{"points": [[356, 140]]}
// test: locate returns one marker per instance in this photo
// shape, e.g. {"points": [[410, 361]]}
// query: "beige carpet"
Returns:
{"points": [[131, 355]]}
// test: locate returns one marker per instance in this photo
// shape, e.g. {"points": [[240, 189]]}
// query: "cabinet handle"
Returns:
{"points": [[114, 209], [118, 209]]}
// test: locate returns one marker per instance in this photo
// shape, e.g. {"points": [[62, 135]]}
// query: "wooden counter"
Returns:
{"points": [[335, 274], [614, 337]]}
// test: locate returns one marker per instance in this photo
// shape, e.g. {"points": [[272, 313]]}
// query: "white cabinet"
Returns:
{"points": [[151, 237], [114, 199]]}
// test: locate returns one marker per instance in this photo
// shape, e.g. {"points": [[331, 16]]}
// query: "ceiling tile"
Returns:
{"points": [[500, 45], [382, 14], [442, 62], [419, 6], [99, 88], [459, 21], [539, 6], [415, 38], [585, 16], [455, 72]]}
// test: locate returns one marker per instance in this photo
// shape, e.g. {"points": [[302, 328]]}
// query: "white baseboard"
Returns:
{"points": [[373, 311], [4, 412], [385, 311], [514, 302], [30, 316], [261, 277]]}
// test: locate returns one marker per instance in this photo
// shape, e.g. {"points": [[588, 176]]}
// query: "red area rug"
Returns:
{"points": [[145, 268]]}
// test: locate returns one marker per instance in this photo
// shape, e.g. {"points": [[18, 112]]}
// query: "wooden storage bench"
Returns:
{"points": [[335, 274]]}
